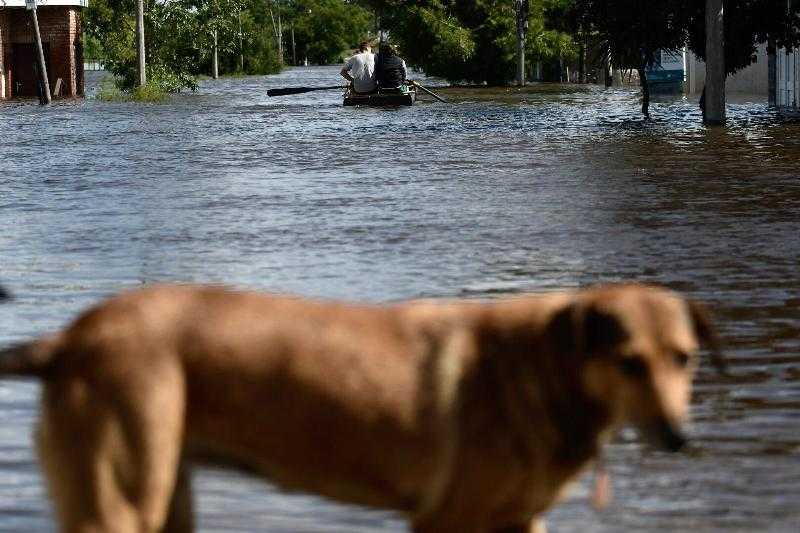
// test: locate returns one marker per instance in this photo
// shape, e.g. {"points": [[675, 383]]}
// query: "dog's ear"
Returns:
{"points": [[602, 331], [585, 329], [706, 333]]}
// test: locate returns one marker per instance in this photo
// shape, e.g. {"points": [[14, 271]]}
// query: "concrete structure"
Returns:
{"points": [[788, 79], [752, 80], [60, 27]]}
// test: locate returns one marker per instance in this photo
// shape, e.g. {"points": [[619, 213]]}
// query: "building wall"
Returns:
{"points": [[752, 80], [788, 79], [60, 27]]}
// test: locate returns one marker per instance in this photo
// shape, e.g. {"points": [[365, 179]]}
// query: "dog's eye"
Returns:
{"points": [[633, 367], [681, 359]]}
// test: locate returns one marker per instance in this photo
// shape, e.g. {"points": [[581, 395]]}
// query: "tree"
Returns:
{"points": [[324, 29], [469, 40], [631, 32], [180, 38]]}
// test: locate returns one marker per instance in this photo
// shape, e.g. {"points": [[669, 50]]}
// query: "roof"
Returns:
{"points": [[44, 3]]}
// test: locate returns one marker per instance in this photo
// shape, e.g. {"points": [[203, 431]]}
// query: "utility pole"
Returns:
{"points": [[140, 59], [714, 100], [44, 85], [521, 7], [215, 56]]}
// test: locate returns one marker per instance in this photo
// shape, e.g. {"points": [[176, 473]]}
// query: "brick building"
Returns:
{"points": [[60, 27]]}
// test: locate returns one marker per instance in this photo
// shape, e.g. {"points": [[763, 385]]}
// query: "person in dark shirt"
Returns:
{"points": [[390, 70]]}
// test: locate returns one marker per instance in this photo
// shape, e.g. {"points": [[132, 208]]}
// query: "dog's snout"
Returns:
{"points": [[669, 436]]}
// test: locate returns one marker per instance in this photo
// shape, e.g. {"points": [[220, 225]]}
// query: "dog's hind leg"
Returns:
{"points": [[111, 450]]}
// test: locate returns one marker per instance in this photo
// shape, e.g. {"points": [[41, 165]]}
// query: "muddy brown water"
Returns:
{"points": [[500, 192]]}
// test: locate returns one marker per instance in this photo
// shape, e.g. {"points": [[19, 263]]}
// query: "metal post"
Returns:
{"points": [[140, 58], [44, 84]]}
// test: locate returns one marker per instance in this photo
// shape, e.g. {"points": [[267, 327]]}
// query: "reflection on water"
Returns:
{"points": [[501, 192]]}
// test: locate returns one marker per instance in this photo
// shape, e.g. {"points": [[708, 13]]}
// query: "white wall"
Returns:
{"points": [[752, 80], [788, 79]]}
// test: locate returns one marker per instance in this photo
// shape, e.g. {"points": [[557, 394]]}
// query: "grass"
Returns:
{"points": [[146, 94]]}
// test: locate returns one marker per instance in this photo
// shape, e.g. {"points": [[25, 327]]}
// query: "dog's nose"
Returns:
{"points": [[671, 438]]}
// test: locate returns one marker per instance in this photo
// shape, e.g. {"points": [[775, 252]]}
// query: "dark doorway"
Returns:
{"points": [[23, 68]]}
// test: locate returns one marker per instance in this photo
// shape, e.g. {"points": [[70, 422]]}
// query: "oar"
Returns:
{"points": [[298, 90], [430, 92]]}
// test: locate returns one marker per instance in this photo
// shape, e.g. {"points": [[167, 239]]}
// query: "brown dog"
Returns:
{"points": [[466, 416]]}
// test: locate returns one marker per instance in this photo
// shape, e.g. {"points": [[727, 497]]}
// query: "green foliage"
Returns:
{"points": [[324, 29], [179, 37], [632, 31], [436, 41], [469, 40], [747, 24], [149, 93]]}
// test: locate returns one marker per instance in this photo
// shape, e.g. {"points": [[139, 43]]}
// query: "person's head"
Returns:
{"points": [[363, 46], [387, 50]]}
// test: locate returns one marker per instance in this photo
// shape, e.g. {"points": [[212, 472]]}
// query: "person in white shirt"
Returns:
{"points": [[360, 70]]}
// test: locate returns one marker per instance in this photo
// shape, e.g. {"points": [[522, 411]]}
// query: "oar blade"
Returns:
{"points": [[298, 90], [288, 90]]}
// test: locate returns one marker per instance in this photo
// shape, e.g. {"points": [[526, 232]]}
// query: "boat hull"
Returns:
{"points": [[379, 99]]}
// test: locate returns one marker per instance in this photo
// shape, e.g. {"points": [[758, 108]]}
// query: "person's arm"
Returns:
{"points": [[345, 72]]}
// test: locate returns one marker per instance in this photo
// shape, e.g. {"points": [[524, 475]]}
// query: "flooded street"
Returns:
{"points": [[498, 193]]}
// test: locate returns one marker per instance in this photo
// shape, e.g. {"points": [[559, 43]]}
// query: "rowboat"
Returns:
{"points": [[405, 95]]}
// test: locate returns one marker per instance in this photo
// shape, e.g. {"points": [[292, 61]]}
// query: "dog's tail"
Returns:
{"points": [[32, 358]]}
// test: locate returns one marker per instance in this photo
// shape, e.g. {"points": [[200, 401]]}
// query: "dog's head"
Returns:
{"points": [[637, 352]]}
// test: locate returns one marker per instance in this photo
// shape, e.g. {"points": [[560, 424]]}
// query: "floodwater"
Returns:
{"points": [[500, 192]]}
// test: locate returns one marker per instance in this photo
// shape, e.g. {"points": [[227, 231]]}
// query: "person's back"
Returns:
{"points": [[390, 70], [360, 70]]}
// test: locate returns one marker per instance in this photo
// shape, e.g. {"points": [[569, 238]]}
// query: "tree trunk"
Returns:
{"points": [[715, 64], [280, 39], [294, 50], [522, 26], [215, 57], [645, 91], [278, 30], [703, 103], [140, 56], [241, 45], [582, 63], [772, 72], [41, 66]]}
